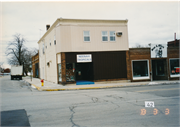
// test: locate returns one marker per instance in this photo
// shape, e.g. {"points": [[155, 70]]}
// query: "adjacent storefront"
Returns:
{"points": [[156, 63]]}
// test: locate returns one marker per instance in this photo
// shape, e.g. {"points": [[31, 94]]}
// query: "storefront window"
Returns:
{"points": [[59, 72], [140, 69], [174, 67], [70, 71]]}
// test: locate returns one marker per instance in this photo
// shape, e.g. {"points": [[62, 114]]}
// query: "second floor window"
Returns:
{"points": [[104, 36], [112, 36], [54, 40], [86, 35]]}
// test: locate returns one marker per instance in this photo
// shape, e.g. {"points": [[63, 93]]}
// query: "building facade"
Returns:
{"points": [[35, 66], [93, 50], [143, 66]]}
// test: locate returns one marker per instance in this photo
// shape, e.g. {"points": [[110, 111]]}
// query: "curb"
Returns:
{"points": [[85, 88], [38, 88], [100, 87]]}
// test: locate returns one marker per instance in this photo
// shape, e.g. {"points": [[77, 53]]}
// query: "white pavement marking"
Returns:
{"points": [[33, 86]]}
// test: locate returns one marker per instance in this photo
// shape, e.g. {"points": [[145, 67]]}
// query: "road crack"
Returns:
{"points": [[94, 99], [71, 108], [115, 97]]}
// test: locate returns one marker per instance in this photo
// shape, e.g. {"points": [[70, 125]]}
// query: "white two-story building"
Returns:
{"points": [[80, 49]]}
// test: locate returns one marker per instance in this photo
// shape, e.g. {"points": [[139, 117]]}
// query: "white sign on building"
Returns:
{"points": [[158, 50], [84, 58]]}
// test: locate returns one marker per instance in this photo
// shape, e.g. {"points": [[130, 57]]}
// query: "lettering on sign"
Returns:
{"points": [[84, 58], [149, 104], [158, 50]]}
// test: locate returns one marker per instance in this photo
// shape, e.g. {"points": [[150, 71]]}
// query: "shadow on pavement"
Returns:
{"points": [[14, 118]]}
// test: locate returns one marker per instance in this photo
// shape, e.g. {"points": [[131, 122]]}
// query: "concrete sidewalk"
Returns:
{"points": [[49, 86]]}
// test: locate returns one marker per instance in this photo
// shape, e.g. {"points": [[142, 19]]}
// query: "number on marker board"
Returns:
{"points": [[149, 104]]}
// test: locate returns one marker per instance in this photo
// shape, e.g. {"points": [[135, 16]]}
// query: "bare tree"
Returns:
{"points": [[34, 51], [27, 56], [1, 63], [141, 46], [138, 46], [16, 49], [1, 68], [19, 54]]}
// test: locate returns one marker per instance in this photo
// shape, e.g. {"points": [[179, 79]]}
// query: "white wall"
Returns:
{"points": [[50, 72], [73, 40]]}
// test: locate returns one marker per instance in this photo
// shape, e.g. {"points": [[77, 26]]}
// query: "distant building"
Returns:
{"points": [[35, 66], [7, 70], [0, 69], [174, 43]]}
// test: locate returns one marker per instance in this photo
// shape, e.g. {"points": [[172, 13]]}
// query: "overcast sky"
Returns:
{"points": [[148, 22]]}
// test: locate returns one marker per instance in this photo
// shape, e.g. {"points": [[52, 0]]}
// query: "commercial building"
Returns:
{"points": [[73, 50], [79, 49], [160, 62]]}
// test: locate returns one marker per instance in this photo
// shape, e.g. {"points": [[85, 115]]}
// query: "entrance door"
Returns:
{"points": [[84, 71], [159, 69]]}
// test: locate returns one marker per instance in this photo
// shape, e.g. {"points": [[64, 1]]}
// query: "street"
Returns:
{"points": [[115, 107]]}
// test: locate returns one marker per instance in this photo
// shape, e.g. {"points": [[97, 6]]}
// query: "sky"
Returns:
{"points": [[152, 22]]}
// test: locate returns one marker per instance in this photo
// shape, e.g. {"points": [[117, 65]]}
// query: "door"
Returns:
{"points": [[84, 71], [159, 69]]}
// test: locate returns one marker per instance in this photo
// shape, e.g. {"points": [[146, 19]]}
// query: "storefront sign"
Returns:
{"points": [[84, 58], [158, 50]]}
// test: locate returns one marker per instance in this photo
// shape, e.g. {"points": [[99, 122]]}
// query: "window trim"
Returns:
{"points": [[172, 76], [104, 36], [144, 77], [87, 36], [112, 36]]}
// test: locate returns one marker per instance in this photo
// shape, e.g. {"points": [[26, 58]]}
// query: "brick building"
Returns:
{"points": [[143, 67]]}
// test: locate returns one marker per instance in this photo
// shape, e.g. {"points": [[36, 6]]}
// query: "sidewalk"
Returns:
{"points": [[49, 86]]}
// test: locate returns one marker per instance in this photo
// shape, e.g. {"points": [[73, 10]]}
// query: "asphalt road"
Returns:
{"points": [[116, 107]]}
